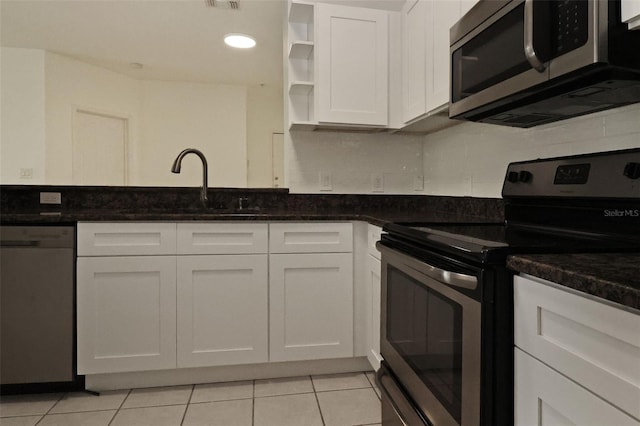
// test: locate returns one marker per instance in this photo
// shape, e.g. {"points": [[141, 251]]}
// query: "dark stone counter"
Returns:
{"points": [[611, 276], [21, 204]]}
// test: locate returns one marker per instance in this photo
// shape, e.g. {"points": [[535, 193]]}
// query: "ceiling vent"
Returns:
{"points": [[224, 4]]}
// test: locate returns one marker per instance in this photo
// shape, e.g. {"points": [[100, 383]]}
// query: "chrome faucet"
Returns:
{"points": [[178, 162]]}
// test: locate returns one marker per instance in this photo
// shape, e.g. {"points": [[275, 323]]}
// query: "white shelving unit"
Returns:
{"points": [[301, 64]]}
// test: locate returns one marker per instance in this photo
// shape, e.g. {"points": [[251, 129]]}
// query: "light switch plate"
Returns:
{"points": [[418, 183], [325, 181], [377, 182], [50, 198]]}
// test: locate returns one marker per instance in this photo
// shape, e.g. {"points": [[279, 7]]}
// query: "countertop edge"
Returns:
{"points": [[581, 279]]}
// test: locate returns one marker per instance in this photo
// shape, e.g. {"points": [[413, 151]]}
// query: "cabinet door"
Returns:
{"points": [[310, 237], [352, 65], [311, 306], [222, 238], [373, 299], [222, 310], [126, 313], [442, 15], [544, 397], [593, 343], [414, 59], [631, 13], [126, 238]]}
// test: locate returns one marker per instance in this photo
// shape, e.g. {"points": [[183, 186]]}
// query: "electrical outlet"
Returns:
{"points": [[377, 182], [418, 183], [50, 198], [26, 173], [325, 181]]}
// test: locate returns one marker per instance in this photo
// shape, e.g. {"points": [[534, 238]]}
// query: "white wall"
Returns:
{"points": [[42, 90], [22, 115], [265, 110], [470, 159], [352, 160], [72, 84], [211, 118]]}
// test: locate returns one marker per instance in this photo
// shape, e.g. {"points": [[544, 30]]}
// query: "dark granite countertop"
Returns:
{"points": [[177, 216], [611, 276], [21, 205]]}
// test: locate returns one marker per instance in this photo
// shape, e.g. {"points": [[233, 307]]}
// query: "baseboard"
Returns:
{"points": [[231, 373]]}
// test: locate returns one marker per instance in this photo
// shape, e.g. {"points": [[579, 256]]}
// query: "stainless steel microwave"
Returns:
{"points": [[523, 63]]}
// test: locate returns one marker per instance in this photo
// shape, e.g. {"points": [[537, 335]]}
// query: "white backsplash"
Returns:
{"points": [[471, 159], [353, 160], [468, 159]]}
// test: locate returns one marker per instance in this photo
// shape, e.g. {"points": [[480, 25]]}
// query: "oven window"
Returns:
{"points": [[425, 328]]}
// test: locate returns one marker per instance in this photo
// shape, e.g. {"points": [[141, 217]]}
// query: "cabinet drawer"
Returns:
{"points": [[545, 397], [222, 238], [594, 344], [126, 238], [373, 236], [310, 238]]}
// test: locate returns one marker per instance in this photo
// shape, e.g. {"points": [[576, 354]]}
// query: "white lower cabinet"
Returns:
{"points": [[222, 310], [577, 360], [311, 306], [196, 307], [126, 313], [545, 397], [373, 299]]}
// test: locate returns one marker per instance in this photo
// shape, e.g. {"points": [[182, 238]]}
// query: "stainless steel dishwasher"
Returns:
{"points": [[37, 315]]}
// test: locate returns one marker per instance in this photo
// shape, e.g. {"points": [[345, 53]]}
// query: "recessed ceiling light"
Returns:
{"points": [[241, 41]]}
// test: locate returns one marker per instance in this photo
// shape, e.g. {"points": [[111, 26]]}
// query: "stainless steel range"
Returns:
{"points": [[447, 296]]}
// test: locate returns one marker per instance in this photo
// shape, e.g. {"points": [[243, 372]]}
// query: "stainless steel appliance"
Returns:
{"points": [[523, 62], [37, 323], [447, 296]]}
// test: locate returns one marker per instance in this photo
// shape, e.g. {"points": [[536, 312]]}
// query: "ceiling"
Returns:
{"points": [[175, 40]]}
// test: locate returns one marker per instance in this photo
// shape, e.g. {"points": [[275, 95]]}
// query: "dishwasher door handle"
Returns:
{"points": [[12, 243]]}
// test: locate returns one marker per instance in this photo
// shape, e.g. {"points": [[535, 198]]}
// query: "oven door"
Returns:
{"points": [[431, 337]]}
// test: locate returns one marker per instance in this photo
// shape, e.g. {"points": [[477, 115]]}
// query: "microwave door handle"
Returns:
{"points": [[529, 50]]}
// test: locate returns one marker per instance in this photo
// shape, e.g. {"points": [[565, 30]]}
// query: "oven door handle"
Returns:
{"points": [[450, 278]]}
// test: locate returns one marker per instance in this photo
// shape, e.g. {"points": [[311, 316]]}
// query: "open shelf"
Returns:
{"points": [[300, 87], [301, 12], [300, 50]]}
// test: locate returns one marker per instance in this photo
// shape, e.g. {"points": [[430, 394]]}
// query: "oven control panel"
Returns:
{"points": [[614, 174]]}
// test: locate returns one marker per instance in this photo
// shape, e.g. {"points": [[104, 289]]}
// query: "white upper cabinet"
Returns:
{"points": [[441, 17], [631, 13], [466, 5], [425, 54], [414, 59], [352, 51]]}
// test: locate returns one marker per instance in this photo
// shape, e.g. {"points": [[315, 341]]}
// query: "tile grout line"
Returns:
{"points": [[62, 395], [119, 407], [253, 403], [315, 394], [186, 408]]}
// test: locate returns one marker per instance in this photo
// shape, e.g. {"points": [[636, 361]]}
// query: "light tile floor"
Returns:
{"points": [[329, 400]]}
